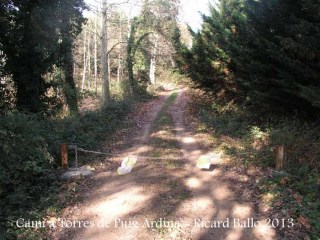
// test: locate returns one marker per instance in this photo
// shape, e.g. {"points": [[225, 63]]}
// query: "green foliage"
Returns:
{"points": [[263, 53], [251, 141], [301, 140], [172, 77], [35, 36], [26, 168], [257, 138], [156, 18], [29, 149], [298, 194]]}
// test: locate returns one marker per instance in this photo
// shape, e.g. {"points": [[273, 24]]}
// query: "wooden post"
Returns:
{"points": [[280, 157], [64, 156]]}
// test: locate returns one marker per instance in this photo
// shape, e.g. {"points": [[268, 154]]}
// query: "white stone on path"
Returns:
{"points": [[84, 171]]}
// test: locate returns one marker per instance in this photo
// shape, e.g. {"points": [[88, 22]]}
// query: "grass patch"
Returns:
{"points": [[163, 137], [174, 163], [166, 227], [168, 102]]}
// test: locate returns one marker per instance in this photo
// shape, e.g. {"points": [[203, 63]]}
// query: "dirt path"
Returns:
{"points": [[165, 196]]}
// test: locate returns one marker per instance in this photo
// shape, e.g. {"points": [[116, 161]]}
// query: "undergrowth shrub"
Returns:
{"points": [[174, 77], [249, 138], [26, 169], [29, 150], [257, 137], [301, 141]]}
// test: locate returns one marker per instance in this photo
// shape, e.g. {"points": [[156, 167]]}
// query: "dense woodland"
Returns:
{"points": [[262, 54], [257, 61]]}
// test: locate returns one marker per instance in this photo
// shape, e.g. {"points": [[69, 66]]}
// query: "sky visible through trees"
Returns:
{"points": [[190, 11]]}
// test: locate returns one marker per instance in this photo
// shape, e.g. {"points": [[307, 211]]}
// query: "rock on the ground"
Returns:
{"points": [[84, 171]]}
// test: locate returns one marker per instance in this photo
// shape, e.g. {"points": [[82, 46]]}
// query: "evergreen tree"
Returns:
{"points": [[263, 52], [285, 65], [35, 36]]}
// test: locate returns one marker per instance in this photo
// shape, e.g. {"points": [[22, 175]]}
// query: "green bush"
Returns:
{"points": [[251, 140], [301, 141], [29, 150], [26, 168]]}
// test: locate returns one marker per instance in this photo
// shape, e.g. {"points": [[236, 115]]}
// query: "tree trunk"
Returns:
{"points": [[130, 82], [84, 60], [152, 75], [95, 55], [109, 71], [70, 90], [120, 48], [104, 65], [132, 47], [89, 58]]}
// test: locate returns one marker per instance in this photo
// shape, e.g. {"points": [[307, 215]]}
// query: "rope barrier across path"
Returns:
{"points": [[76, 148], [127, 164], [280, 155]]}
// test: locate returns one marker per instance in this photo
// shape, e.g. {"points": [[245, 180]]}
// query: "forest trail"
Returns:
{"points": [[166, 196]]}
